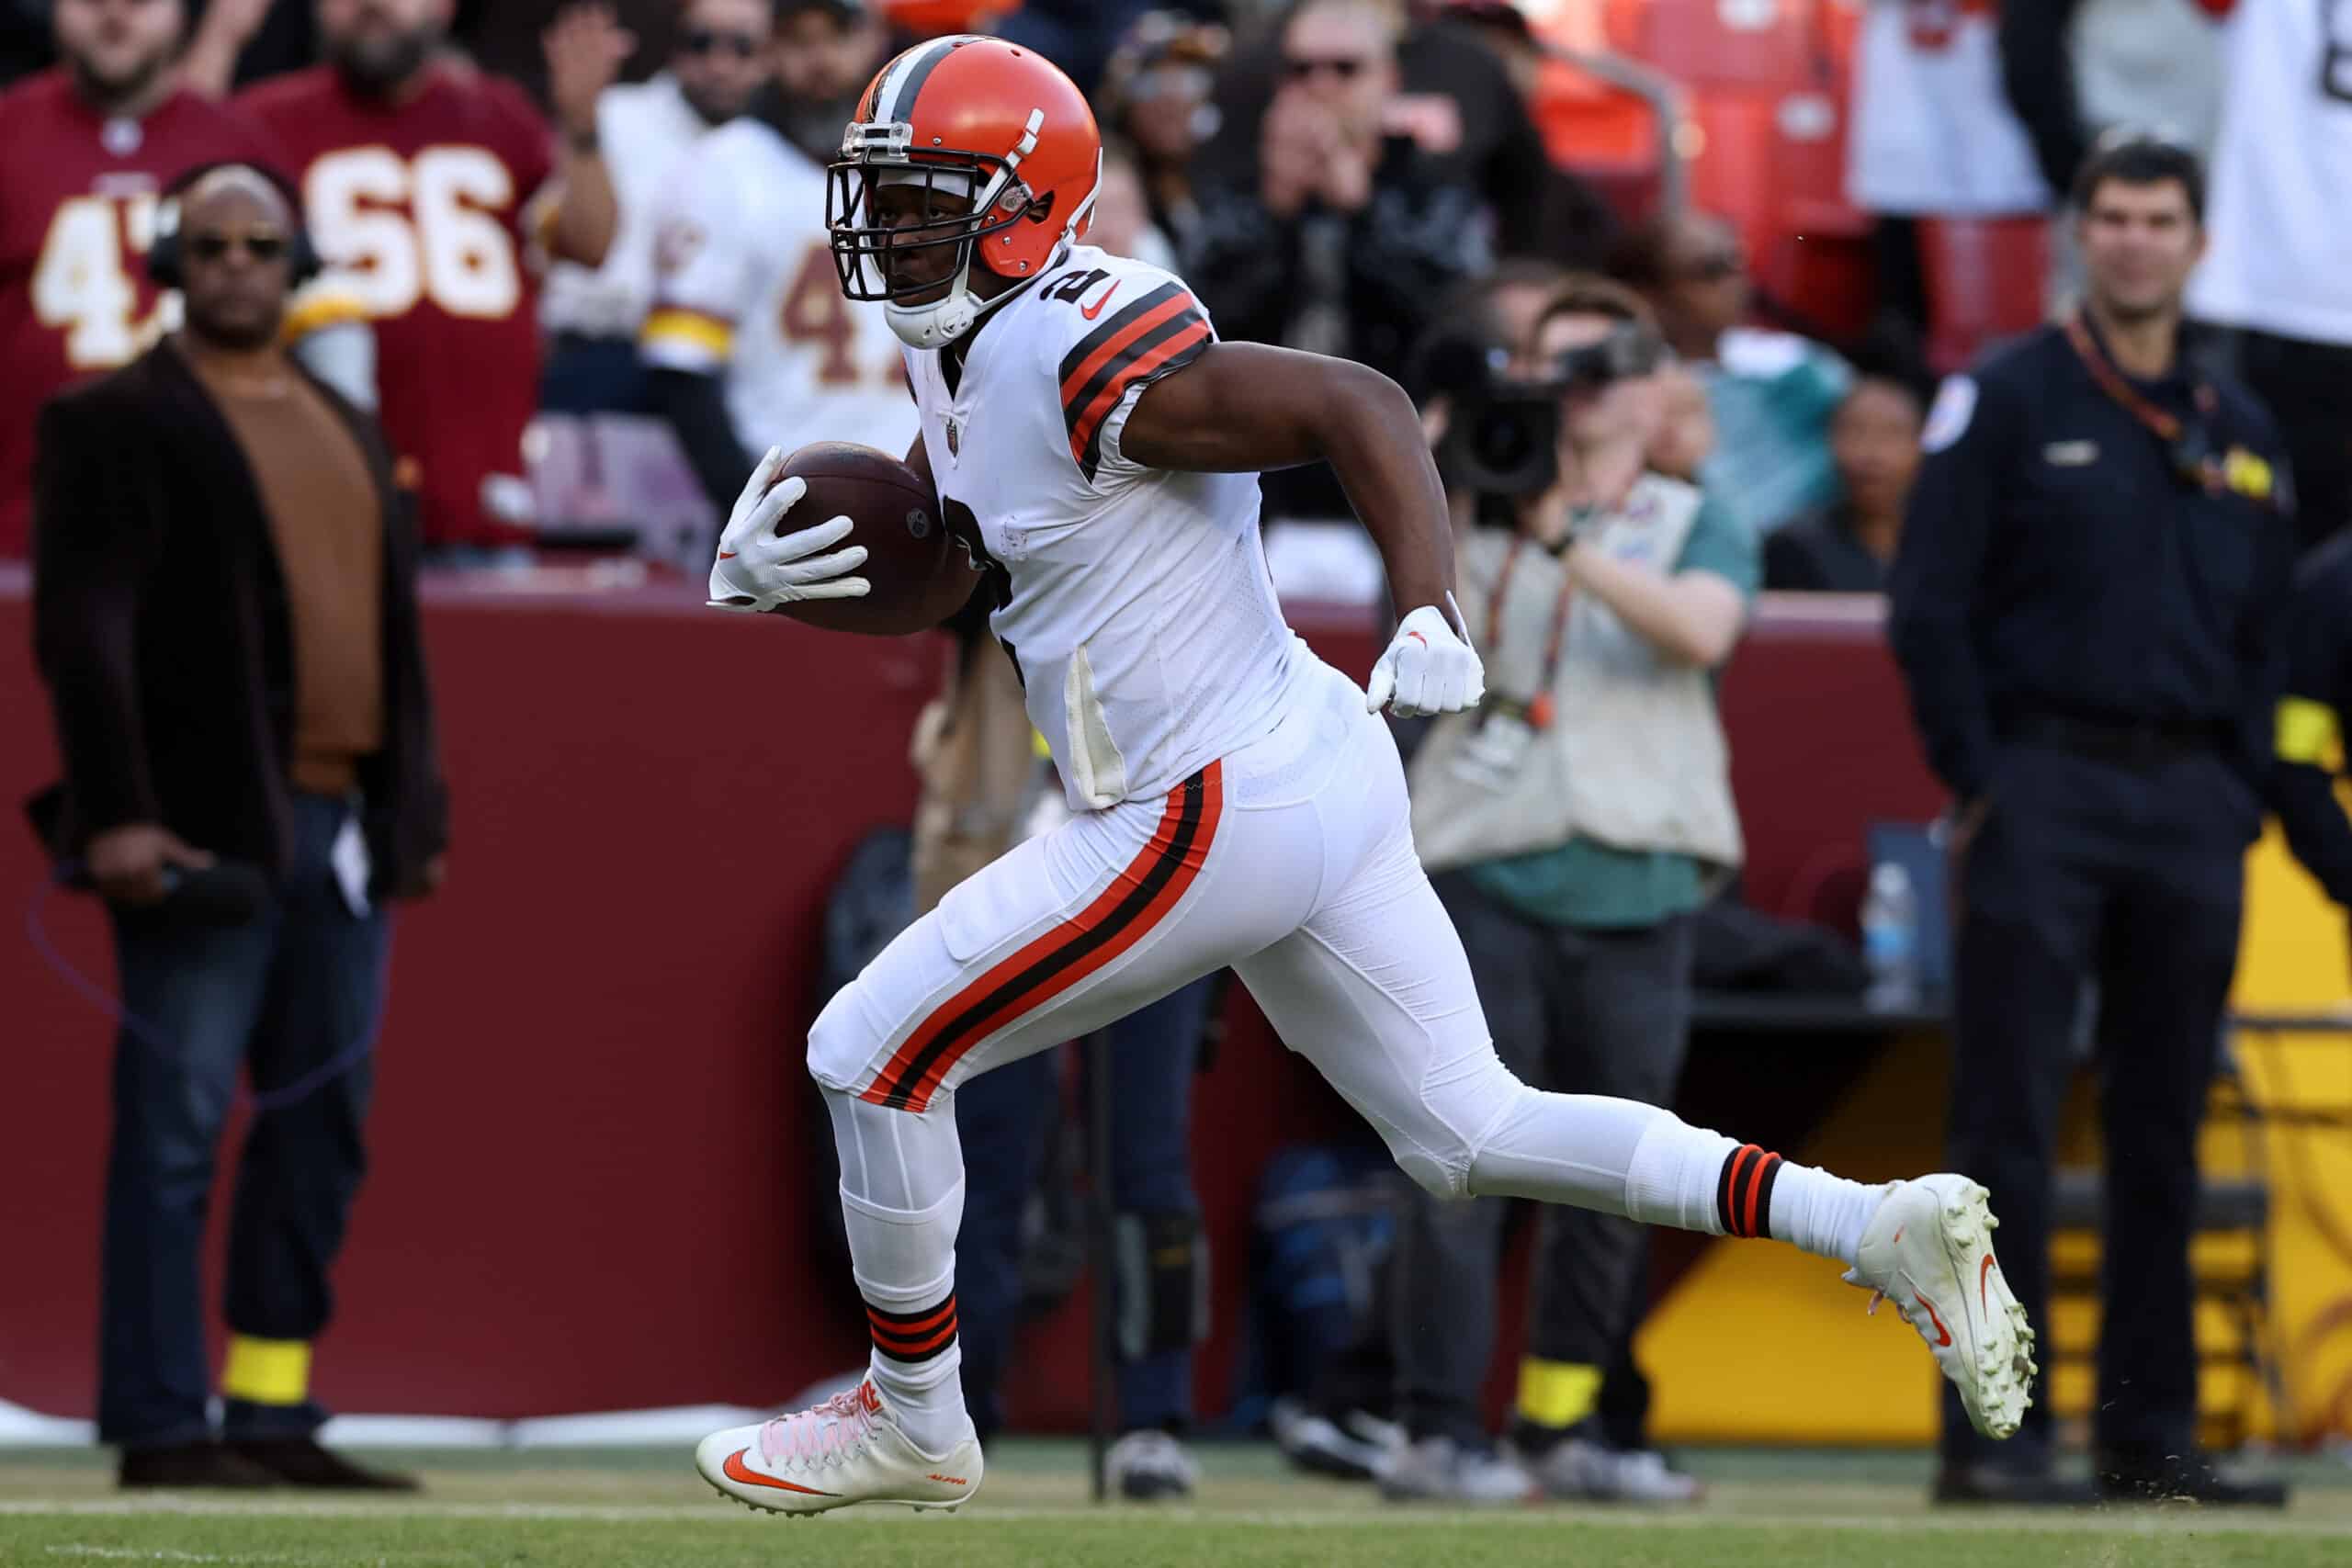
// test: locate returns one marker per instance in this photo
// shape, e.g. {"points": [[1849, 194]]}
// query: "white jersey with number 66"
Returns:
{"points": [[745, 289]]}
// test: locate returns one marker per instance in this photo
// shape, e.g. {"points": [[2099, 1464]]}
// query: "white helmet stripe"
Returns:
{"points": [[896, 101]]}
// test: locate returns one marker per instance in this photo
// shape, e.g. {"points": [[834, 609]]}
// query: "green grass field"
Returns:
{"points": [[591, 1508]]}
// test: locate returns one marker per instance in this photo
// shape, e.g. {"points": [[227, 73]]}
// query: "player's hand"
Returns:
{"points": [[129, 863], [1292, 142], [758, 569], [586, 47], [1430, 668]]}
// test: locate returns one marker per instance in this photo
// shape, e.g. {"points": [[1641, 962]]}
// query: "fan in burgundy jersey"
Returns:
{"points": [[428, 186], [85, 150]]}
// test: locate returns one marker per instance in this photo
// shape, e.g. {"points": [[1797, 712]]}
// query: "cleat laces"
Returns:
{"points": [[824, 1434]]}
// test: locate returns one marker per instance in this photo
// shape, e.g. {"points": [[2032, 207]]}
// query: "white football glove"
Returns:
{"points": [[758, 569], [1430, 668]]}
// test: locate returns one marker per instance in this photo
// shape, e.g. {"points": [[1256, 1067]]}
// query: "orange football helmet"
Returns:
{"points": [[1007, 153]]}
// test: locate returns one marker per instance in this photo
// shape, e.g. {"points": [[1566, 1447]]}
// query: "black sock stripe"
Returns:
{"points": [[946, 1324], [1764, 1180], [1732, 1185], [916, 1316], [911, 1357]]}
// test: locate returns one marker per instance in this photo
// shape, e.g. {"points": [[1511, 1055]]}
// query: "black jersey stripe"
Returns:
{"points": [[1108, 332], [898, 1093]]}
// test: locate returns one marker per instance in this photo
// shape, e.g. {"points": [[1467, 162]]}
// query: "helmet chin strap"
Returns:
{"points": [[956, 312]]}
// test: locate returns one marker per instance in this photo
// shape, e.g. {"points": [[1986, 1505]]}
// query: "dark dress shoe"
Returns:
{"points": [[1991, 1485], [2188, 1477], [301, 1461], [192, 1464]]}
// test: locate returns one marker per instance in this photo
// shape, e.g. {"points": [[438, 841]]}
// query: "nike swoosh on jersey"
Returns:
{"points": [[1090, 311]]}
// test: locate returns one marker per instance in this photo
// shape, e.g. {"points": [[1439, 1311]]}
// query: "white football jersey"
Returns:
{"points": [[745, 289], [2281, 217], [1135, 602]]}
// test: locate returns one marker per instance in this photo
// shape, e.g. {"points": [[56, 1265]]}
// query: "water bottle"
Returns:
{"points": [[1891, 936]]}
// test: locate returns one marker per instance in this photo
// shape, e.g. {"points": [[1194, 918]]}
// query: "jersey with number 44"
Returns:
{"points": [[745, 289], [1135, 602], [78, 193], [420, 208]]}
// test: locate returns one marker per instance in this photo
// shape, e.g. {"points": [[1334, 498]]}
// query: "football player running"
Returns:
{"points": [[1235, 800]]}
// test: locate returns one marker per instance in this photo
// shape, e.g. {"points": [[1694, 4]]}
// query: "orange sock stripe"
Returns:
{"points": [[1727, 1188], [914, 1347], [922, 1347], [1763, 1163], [884, 1322], [1759, 1203]]}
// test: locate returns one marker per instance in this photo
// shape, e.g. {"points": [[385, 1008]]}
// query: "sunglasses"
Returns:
{"points": [[704, 41], [1714, 268], [1344, 67], [262, 244]]}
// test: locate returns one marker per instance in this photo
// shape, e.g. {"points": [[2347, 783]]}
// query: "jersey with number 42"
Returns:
{"points": [[1135, 602], [745, 289], [78, 193]]}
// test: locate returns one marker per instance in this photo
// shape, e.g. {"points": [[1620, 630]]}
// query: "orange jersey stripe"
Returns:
{"points": [[1075, 382], [1100, 410], [1084, 943]]}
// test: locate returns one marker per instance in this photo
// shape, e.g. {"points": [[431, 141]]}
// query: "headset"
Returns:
{"points": [[164, 268]]}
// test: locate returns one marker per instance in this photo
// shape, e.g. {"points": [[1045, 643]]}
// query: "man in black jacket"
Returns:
{"points": [[2094, 566], [1351, 237], [225, 613]]}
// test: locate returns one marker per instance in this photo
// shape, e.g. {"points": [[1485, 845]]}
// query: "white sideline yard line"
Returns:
{"points": [[2159, 1523], [159, 1555]]}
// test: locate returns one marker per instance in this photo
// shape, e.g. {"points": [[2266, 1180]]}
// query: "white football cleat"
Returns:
{"points": [[1929, 1249], [848, 1449]]}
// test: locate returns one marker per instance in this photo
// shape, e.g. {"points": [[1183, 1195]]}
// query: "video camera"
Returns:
{"points": [[1502, 431]]}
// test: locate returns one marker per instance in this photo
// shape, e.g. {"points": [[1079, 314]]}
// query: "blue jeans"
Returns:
{"points": [[282, 995], [1003, 1117]]}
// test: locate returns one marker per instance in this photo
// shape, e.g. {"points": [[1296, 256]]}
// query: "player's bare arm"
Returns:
{"points": [[585, 48], [1242, 407], [1246, 407]]}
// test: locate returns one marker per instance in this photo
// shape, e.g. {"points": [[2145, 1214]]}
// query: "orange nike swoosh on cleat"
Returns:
{"points": [[1089, 312], [1984, 1272], [726, 554], [1944, 1335], [1419, 637], [736, 1469]]}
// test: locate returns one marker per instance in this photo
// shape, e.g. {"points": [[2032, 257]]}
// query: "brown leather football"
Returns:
{"points": [[921, 575]]}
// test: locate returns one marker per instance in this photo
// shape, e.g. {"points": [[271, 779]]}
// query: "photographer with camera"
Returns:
{"points": [[1573, 824]]}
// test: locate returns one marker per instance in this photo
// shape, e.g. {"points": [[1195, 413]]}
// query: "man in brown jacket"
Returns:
{"points": [[225, 614]]}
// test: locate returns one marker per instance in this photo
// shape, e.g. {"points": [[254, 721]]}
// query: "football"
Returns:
{"points": [[921, 575]]}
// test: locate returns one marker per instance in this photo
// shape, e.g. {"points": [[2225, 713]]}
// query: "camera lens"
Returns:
{"points": [[1501, 440]]}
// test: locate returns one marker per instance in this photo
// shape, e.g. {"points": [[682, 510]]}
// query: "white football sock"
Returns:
{"points": [[1823, 1213], [1621, 1156], [902, 1201]]}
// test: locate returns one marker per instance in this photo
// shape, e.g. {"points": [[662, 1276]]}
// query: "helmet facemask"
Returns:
{"points": [[964, 197]]}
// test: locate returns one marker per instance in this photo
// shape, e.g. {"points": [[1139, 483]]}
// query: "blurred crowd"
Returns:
{"points": [[1826, 204]]}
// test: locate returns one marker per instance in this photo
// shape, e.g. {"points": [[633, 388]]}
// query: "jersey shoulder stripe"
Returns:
{"points": [[1160, 333]]}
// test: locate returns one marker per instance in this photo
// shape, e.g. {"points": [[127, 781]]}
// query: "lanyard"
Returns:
{"points": [[2190, 451], [1538, 708]]}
